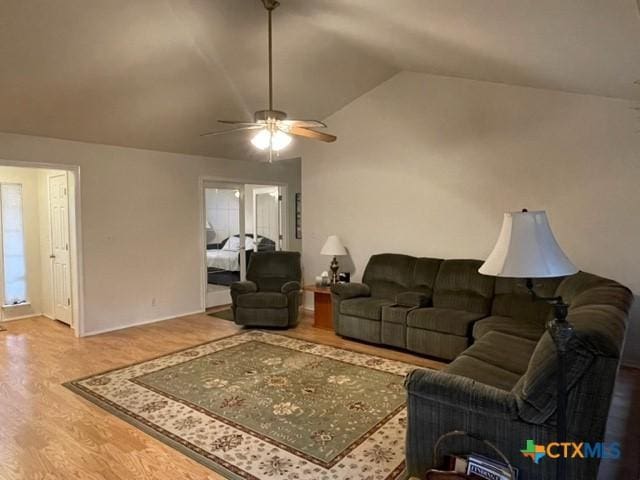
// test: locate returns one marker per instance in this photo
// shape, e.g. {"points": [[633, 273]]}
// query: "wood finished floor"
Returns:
{"points": [[47, 432]]}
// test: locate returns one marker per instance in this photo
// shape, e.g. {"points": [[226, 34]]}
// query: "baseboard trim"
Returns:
{"points": [[140, 323], [21, 317]]}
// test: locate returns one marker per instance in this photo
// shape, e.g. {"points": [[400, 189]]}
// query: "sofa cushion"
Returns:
{"points": [[502, 350], [388, 274], [459, 286], [512, 326], [262, 300], [436, 344], [482, 372], [425, 273], [444, 320], [271, 270], [364, 307], [512, 299]]}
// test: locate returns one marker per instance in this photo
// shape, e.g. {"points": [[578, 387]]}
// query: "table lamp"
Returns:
{"points": [[333, 247], [526, 248]]}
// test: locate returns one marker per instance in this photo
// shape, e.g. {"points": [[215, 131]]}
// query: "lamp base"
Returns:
{"points": [[334, 270], [561, 332]]}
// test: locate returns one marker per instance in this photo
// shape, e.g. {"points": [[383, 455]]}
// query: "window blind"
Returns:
{"points": [[13, 250]]}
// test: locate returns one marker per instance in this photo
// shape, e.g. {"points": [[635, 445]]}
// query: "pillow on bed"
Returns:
{"points": [[232, 244], [249, 244]]}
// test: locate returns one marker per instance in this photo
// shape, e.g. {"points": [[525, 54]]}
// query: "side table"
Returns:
{"points": [[322, 311]]}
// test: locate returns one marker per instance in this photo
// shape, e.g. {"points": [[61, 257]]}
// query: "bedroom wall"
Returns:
{"points": [[28, 178], [141, 223], [426, 165]]}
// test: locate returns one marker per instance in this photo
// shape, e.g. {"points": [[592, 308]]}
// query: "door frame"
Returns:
{"points": [[202, 181], [75, 237]]}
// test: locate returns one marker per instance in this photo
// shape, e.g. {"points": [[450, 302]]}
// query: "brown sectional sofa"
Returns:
{"points": [[501, 385], [435, 307]]}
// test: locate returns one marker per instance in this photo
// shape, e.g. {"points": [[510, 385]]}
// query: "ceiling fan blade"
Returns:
{"points": [[303, 123], [239, 122], [231, 130], [307, 133]]}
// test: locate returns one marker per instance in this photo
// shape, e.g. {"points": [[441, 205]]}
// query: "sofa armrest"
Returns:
{"points": [[350, 290], [290, 287], [413, 299], [439, 402], [240, 288], [461, 392]]}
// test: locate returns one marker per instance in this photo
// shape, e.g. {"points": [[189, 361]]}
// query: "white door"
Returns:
{"points": [[267, 214], [60, 258]]}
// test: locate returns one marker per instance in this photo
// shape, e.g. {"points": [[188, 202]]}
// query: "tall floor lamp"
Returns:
{"points": [[526, 248]]}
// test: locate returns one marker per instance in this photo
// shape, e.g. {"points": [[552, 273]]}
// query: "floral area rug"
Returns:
{"points": [[258, 405]]}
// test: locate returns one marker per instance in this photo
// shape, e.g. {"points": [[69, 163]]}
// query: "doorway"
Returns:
{"points": [[239, 219], [39, 247]]}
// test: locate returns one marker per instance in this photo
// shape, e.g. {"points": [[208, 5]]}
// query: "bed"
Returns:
{"points": [[228, 260], [223, 259]]}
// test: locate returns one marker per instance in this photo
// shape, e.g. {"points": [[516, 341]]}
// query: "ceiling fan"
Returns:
{"points": [[274, 128]]}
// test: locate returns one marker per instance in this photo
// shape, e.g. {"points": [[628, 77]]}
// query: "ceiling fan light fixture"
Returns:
{"points": [[277, 140], [274, 130], [280, 140]]}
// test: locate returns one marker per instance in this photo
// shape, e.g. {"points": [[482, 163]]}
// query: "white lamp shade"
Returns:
{"points": [[526, 248], [333, 247]]}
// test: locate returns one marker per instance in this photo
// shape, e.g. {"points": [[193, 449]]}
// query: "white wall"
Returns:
{"points": [[426, 165], [141, 223], [28, 178]]}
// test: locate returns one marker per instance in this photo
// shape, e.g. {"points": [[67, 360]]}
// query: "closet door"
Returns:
{"points": [[267, 217], [225, 255]]}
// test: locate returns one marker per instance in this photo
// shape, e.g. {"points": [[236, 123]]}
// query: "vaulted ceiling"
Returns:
{"points": [[157, 73]]}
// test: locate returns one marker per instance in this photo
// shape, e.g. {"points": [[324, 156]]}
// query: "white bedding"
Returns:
{"points": [[224, 259]]}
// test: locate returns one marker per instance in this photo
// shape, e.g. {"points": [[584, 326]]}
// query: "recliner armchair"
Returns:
{"points": [[270, 297]]}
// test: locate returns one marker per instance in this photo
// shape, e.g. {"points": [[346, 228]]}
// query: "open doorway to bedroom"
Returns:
{"points": [[38, 244], [239, 219]]}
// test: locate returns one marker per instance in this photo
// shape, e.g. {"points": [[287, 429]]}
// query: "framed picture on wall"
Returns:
{"points": [[298, 215]]}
